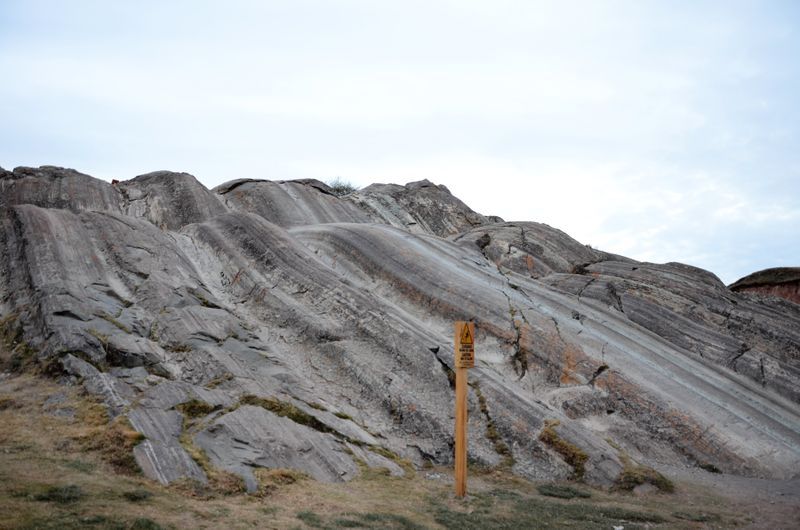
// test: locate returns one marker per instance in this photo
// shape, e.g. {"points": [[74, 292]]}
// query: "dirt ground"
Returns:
{"points": [[53, 474], [766, 503]]}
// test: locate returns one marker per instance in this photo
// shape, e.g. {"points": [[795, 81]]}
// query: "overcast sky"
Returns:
{"points": [[664, 131]]}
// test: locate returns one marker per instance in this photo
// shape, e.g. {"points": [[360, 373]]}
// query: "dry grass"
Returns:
{"points": [[115, 442], [572, 454], [220, 481], [500, 447], [633, 475], [195, 408], [50, 478]]}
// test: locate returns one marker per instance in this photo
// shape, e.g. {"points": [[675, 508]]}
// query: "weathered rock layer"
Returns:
{"points": [[275, 324], [783, 282]]}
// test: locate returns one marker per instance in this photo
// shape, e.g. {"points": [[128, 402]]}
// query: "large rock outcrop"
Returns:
{"points": [[276, 324], [783, 282]]}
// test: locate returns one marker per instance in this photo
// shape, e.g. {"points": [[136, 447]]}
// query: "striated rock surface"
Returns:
{"points": [[275, 324], [57, 187], [783, 282], [421, 207], [170, 200], [290, 203]]}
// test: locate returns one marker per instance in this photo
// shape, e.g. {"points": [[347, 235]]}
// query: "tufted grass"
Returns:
{"points": [[51, 478], [571, 453]]}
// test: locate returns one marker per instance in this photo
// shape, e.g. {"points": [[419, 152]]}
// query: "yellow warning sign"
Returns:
{"points": [[466, 336], [465, 345]]}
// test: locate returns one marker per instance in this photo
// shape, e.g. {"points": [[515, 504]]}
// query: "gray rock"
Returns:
{"points": [[252, 437], [166, 463], [345, 304], [421, 207], [58, 187], [289, 203], [170, 200]]}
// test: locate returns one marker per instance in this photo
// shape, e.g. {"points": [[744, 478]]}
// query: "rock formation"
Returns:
{"points": [[276, 324], [781, 281]]}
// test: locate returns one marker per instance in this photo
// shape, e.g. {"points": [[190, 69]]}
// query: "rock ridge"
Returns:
{"points": [[275, 324]]}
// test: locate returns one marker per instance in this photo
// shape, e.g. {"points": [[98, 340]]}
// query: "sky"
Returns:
{"points": [[660, 130]]}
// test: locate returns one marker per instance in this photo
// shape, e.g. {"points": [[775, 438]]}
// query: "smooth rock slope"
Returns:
{"points": [[276, 324]]}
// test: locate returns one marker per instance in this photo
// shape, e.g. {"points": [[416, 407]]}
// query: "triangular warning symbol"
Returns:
{"points": [[466, 336]]}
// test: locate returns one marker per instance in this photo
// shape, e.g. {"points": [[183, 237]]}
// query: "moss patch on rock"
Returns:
{"points": [[571, 453], [633, 475]]}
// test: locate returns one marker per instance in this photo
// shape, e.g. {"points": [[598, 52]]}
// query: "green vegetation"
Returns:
{"points": [[271, 480], [80, 465], [220, 481], [115, 441], [376, 520], [214, 383], [205, 302], [340, 187], [17, 355], [286, 410], [500, 447], [103, 338], [633, 475], [195, 408], [697, 517], [498, 509], [137, 495], [61, 494], [711, 468], [112, 320], [310, 518], [572, 454], [7, 402], [60, 473], [177, 347], [562, 491], [76, 522]]}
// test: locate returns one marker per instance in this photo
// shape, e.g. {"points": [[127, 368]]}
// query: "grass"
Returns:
{"points": [[102, 337], [375, 520], [75, 522], [137, 495], [112, 320], [287, 410], [61, 494], [80, 465], [217, 381], [7, 402], [220, 481], [340, 187], [572, 454], [177, 347], [562, 491], [633, 475], [15, 354], [310, 518], [698, 517], [270, 480], [45, 456], [500, 447], [711, 468], [115, 442], [195, 408], [521, 511]]}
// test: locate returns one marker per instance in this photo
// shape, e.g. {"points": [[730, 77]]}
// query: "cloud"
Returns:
{"points": [[665, 132]]}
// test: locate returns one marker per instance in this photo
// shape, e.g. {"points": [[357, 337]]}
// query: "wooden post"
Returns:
{"points": [[461, 432], [464, 359]]}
